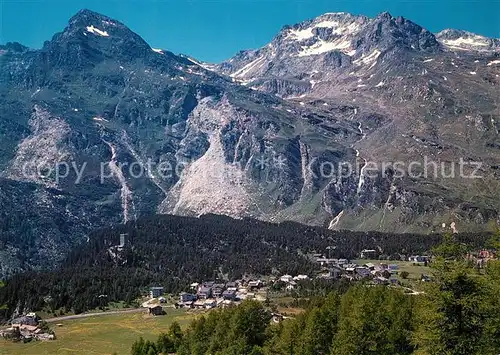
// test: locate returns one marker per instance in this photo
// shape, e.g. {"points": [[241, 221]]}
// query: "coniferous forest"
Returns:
{"points": [[174, 251]]}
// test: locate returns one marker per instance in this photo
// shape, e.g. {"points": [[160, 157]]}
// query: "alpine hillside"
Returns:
{"points": [[141, 131]]}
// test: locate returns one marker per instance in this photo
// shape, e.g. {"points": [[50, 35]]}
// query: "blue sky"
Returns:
{"points": [[213, 30]]}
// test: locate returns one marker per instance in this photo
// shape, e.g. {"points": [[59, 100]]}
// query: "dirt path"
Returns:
{"points": [[85, 315]]}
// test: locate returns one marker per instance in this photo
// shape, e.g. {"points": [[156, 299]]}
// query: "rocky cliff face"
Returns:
{"points": [[97, 127], [416, 97]]}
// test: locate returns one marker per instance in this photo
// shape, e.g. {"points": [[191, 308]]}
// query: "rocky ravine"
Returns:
{"points": [[145, 131]]}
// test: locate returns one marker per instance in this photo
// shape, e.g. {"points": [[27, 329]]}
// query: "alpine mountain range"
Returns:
{"points": [[253, 134]]}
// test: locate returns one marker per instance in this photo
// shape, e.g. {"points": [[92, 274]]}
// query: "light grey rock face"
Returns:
{"points": [[254, 164], [213, 182], [267, 134], [43, 148]]}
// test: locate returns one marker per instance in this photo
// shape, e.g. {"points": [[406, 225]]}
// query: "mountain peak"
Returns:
{"points": [[342, 37], [464, 40], [336, 14], [91, 37], [384, 15], [340, 32], [340, 41], [85, 17], [95, 23], [88, 13], [14, 47]]}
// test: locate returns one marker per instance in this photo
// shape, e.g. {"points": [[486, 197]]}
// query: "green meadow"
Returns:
{"points": [[104, 334]]}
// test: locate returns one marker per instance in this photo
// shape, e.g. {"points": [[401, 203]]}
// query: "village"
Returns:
{"points": [[406, 273], [205, 295]]}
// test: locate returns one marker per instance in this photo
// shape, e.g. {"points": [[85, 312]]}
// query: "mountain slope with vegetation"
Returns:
{"points": [[175, 251]]}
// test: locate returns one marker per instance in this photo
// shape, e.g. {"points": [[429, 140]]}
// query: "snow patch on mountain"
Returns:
{"points": [[323, 47], [341, 30], [249, 67], [370, 59], [466, 41], [210, 67], [338, 27], [97, 31], [300, 34]]}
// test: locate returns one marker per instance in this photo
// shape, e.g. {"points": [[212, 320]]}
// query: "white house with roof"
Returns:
{"points": [[156, 291]]}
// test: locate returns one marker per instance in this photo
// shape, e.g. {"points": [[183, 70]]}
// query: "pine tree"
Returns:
{"points": [[138, 347], [320, 327], [373, 320], [165, 344], [493, 307], [452, 314], [176, 335]]}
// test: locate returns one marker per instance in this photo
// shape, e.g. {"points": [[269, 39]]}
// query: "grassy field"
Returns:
{"points": [[106, 334]]}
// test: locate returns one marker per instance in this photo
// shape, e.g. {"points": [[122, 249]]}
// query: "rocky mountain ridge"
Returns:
{"points": [[435, 96], [98, 127]]}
